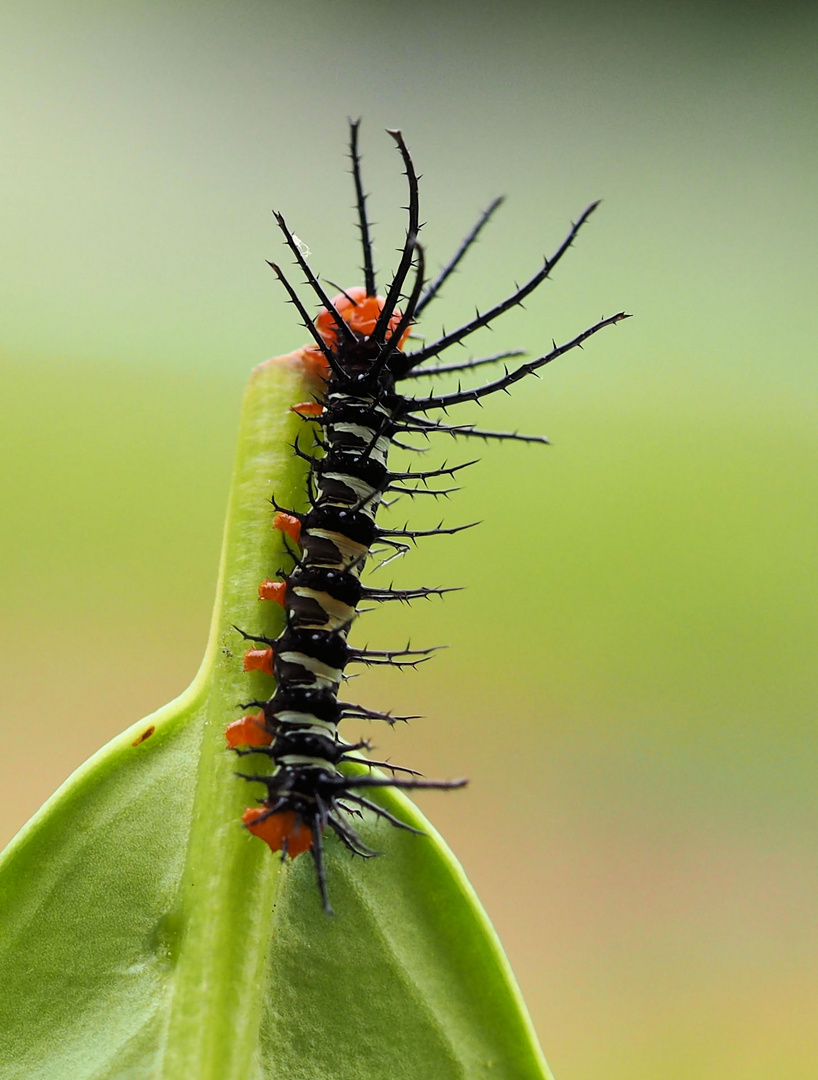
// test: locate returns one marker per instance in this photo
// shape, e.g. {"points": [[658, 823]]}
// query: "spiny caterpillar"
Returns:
{"points": [[359, 341]]}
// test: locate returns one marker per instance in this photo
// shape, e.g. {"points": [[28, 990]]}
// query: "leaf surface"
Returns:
{"points": [[144, 935]]}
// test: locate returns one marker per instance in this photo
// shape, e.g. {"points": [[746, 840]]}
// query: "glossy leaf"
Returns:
{"points": [[145, 934]]}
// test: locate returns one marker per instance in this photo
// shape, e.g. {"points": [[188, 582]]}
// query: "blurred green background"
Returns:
{"points": [[631, 682]]}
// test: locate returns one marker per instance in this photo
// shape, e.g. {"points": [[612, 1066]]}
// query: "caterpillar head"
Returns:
{"points": [[360, 312]]}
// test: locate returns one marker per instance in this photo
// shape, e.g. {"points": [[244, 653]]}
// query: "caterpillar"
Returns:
{"points": [[359, 345]]}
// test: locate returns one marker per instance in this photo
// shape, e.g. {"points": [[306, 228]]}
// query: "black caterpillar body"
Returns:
{"points": [[359, 339]]}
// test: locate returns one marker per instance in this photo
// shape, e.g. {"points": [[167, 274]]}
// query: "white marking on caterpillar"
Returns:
{"points": [[338, 614], [321, 671]]}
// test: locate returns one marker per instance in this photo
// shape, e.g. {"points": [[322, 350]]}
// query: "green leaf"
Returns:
{"points": [[145, 934]]}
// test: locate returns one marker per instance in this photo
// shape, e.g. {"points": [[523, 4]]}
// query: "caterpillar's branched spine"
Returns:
{"points": [[358, 338]]}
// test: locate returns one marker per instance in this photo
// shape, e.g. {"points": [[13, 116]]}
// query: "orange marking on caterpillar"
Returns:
{"points": [[259, 660], [272, 590], [315, 361], [308, 408], [248, 731], [360, 312], [278, 829], [146, 734], [288, 524]]}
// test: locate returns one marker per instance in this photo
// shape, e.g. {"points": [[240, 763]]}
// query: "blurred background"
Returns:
{"points": [[631, 682]]}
